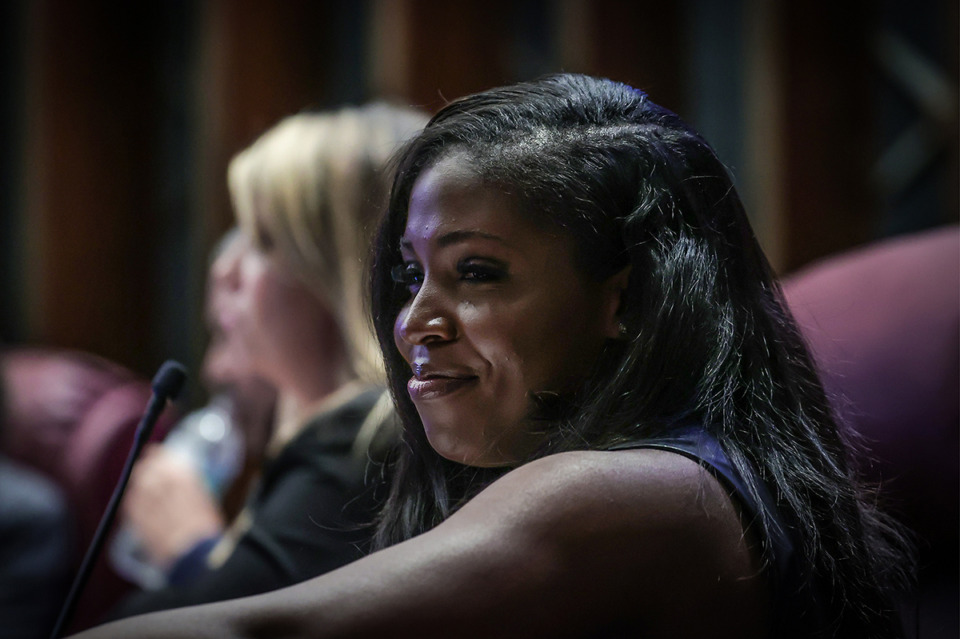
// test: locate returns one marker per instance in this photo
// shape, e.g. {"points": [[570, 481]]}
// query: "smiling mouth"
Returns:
{"points": [[434, 386]]}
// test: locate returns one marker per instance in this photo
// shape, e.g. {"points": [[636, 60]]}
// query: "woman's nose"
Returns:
{"points": [[426, 319], [225, 270]]}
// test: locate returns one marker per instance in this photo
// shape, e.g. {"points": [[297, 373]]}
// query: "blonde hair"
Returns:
{"points": [[315, 185]]}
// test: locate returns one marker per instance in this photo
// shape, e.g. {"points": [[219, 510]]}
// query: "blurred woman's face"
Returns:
{"points": [[263, 318], [497, 311]]}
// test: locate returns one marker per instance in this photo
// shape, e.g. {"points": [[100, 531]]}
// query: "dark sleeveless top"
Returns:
{"points": [[796, 612]]}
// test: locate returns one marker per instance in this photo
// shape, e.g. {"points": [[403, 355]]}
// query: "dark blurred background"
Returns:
{"points": [[838, 120]]}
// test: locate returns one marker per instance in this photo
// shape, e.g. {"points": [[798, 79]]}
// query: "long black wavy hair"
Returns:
{"points": [[709, 336]]}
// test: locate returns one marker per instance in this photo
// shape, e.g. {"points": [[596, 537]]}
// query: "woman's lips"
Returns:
{"points": [[223, 320], [436, 386]]}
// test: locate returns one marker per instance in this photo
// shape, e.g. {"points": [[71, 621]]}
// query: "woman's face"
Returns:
{"points": [[264, 320], [497, 311]]}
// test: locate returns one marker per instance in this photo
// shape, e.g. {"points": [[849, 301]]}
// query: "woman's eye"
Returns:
{"points": [[481, 271], [408, 275], [263, 239]]}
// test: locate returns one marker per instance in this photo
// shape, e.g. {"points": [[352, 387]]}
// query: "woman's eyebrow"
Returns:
{"points": [[460, 236], [454, 237]]}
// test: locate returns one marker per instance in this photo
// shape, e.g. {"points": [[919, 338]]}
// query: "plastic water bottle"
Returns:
{"points": [[208, 440]]}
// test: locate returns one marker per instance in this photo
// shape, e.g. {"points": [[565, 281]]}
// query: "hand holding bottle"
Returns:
{"points": [[169, 506], [172, 502]]}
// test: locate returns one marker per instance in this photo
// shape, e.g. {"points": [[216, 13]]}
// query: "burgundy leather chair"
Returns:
{"points": [[883, 323], [72, 416]]}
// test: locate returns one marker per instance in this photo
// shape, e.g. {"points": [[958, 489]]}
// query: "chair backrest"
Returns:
{"points": [[883, 323], [72, 416]]}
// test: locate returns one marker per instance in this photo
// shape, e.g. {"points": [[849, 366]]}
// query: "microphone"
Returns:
{"points": [[166, 385]]}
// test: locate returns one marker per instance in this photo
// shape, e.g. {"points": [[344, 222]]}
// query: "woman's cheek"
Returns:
{"points": [[397, 339]]}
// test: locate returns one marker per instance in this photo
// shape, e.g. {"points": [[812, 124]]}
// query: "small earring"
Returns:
{"points": [[622, 329]]}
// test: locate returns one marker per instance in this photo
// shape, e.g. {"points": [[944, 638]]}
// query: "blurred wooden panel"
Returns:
{"points": [[432, 51], [259, 62], [951, 180], [640, 43], [87, 194], [429, 52], [827, 136]]}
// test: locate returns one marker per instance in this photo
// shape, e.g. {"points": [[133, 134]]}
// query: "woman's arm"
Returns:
{"points": [[559, 547]]}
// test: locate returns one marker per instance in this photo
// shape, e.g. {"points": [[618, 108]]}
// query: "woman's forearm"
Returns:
{"points": [[648, 534], [421, 584], [471, 576]]}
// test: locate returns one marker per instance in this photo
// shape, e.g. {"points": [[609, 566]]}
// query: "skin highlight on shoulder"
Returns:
{"points": [[666, 546]]}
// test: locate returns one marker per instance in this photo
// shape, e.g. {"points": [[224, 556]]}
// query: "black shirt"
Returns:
{"points": [[312, 511]]}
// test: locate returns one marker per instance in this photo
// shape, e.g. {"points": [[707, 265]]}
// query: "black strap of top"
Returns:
{"points": [[699, 445]]}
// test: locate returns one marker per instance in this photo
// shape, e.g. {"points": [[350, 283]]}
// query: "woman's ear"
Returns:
{"points": [[613, 290]]}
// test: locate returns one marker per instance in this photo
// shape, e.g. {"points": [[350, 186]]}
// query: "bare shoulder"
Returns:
{"points": [[643, 525], [618, 485]]}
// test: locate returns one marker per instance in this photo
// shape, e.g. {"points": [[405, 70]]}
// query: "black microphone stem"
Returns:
{"points": [[166, 385]]}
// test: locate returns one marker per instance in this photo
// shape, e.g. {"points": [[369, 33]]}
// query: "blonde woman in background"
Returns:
{"points": [[288, 303]]}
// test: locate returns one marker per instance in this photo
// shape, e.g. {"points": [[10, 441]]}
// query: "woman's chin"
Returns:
{"points": [[456, 450], [451, 448]]}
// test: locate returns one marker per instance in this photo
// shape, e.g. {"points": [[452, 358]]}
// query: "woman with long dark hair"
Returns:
{"points": [[612, 426]]}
